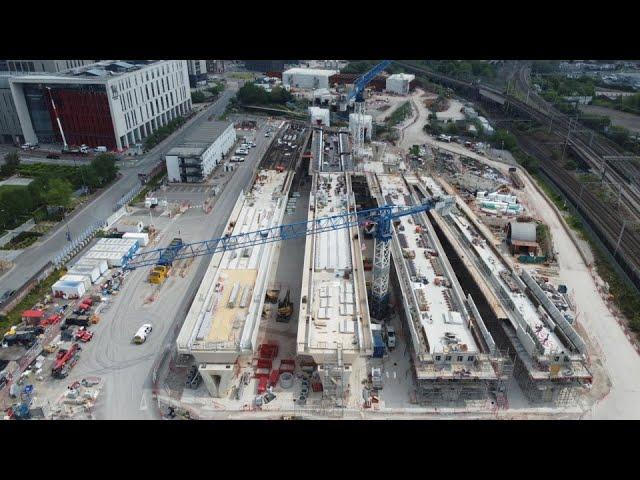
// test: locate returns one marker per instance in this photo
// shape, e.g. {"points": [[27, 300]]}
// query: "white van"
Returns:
{"points": [[142, 333], [100, 149]]}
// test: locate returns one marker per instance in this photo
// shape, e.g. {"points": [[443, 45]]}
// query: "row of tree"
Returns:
{"points": [[250, 94], [52, 186], [463, 69], [163, 132]]}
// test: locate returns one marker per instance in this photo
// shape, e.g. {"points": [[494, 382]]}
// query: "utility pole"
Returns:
{"points": [[624, 224]]}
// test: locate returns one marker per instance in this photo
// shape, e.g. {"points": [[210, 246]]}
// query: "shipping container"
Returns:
{"points": [[86, 281], [91, 271], [101, 264], [63, 289], [142, 238]]}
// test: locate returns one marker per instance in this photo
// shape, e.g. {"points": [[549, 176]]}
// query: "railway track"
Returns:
{"points": [[589, 145]]}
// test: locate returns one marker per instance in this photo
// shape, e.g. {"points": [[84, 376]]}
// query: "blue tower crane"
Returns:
{"points": [[381, 216], [363, 80]]}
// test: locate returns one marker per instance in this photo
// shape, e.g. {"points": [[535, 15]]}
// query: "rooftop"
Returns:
{"points": [[332, 305], [231, 293], [443, 324], [200, 139], [102, 70], [528, 311], [310, 71], [208, 132]]}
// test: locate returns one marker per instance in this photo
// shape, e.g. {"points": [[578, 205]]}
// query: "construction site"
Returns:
{"points": [[353, 277]]}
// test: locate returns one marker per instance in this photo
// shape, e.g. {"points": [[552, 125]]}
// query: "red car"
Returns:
{"points": [[84, 335]]}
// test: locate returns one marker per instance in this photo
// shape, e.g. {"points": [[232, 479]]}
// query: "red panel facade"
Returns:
{"points": [[85, 117]]}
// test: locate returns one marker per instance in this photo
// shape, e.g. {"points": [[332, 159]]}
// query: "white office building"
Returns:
{"points": [[194, 160], [109, 103]]}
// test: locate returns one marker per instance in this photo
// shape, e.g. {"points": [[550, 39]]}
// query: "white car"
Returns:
{"points": [[391, 337], [142, 333]]}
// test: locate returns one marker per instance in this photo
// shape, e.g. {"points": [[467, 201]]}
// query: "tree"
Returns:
{"points": [[58, 193], [504, 139], [104, 166], [11, 162], [14, 203], [250, 94], [280, 95], [37, 188], [89, 177], [452, 128], [216, 89], [198, 97]]}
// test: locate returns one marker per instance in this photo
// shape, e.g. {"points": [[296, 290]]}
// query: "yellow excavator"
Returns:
{"points": [[285, 308]]}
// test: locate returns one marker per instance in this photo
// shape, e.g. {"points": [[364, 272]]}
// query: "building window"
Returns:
{"points": [[471, 358], [447, 358], [459, 358], [438, 358]]}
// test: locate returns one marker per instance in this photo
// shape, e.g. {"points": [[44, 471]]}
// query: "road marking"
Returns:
{"points": [[394, 374], [143, 402]]}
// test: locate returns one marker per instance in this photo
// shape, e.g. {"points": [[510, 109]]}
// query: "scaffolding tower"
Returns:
{"points": [[333, 385]]}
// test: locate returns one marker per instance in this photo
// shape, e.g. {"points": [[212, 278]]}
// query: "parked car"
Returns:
{"points": [[53, 155], [391, 337], [6, 295], [142, 333]]}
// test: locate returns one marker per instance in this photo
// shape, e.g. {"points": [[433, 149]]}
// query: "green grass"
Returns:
{"points": [[48, 171], [242, 75], [399, 114], [36, 295], [8, 188]]}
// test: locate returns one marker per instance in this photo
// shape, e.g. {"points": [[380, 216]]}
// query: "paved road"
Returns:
{"points": [[127, 368], [34, 258]]}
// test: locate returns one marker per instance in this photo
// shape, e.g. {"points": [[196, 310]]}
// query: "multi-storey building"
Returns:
{"points": [[110, 103], [197, 72]]}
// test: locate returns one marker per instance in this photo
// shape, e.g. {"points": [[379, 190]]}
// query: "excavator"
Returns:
{"points": [[285, 308]]}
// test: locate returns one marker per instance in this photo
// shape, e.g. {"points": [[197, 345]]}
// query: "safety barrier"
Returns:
{"points": [[78, 243]]}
